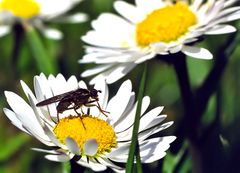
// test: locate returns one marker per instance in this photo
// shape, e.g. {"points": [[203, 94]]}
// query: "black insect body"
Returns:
{"points": [[74, 100]]}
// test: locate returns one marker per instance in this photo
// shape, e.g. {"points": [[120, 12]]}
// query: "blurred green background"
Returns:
{"points": [[220, 144]]}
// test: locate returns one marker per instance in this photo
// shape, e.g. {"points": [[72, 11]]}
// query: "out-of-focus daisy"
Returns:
{"points": [[36, 12], [93, 140], [118, 44]]}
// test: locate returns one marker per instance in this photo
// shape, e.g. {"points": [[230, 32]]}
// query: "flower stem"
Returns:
{"points": [[18, 38], [134, 149], [66, 167]]}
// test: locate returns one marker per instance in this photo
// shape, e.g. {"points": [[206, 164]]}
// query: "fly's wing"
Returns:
{"points": [[54, 98]]}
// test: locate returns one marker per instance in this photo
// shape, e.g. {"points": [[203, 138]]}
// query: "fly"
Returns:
{"points": [[74, 100]]}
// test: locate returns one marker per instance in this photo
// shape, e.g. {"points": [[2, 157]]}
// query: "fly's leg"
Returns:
{"points": [[98, 106], [75, 109]]}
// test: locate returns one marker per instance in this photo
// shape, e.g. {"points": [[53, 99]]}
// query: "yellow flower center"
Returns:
{"points": [[86, 127], [165, 24], [21, 8]]}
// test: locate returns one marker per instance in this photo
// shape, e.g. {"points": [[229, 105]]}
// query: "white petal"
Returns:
{"points": [[103, 96], [128, 109], [25, 115], [53, 8], [52, 33], [119, 151], [15, 121], [148, 6], [82, 84], [58, 158], [45, 151], [75, 18], [145, 58], [146, 133], [196, 52], [4, 29], [232, 17], [129, 118], [221, 29], [92, 164], [117, 105], [95, 70], [156, 121], [43, 91], [128, 11], [110, 164], [148, 117], [72, 83], [72, 146], [90, 147], [51, 136], [155, 148], [119, 72]]}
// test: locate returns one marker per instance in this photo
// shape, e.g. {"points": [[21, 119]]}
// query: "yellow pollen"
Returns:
{"points": [[21, 8], [165, 24], [94, 128]]}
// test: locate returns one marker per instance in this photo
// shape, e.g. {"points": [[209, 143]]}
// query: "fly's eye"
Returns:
{"points": [[94, 93]]}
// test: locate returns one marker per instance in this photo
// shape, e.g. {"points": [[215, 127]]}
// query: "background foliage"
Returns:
{"points": [[219, 128]]}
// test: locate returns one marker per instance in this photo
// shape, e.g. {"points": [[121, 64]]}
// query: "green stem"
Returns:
{"points": [[66, 167], [134, 150], [44, 63]]}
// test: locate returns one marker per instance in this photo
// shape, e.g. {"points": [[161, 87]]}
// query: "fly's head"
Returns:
{"points": [[94, 94]]}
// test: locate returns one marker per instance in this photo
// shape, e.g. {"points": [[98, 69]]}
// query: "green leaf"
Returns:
{"points": [[12, 145], [133, 147], [44, 63]]}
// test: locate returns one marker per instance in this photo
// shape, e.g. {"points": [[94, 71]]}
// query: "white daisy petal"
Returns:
{"points": [[4, 30], [72, 146], [114, 74], [148, 117], [146, 133], [96, 70], [74, 18], [118, 103], [119, 151], [109, 164], [221, 29], [92, 165], [52, 33], [15, 121], [90, 147], [58, 158], [25, 114], [196, 52], [102, 86], [72, 83], [129, 119], [45, 151], [128, 11]]}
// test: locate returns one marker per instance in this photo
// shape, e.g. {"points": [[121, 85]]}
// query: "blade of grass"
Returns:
{"points": [[44, 63], [133, 147]]}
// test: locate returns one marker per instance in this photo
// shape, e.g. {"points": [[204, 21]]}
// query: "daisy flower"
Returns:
{"points": [[94, 140], [36, 12], [118, 43]]}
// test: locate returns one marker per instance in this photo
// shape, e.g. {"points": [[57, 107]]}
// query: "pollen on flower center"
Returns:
{"points": [[94, 128], [21, 8], [165, 24]]}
